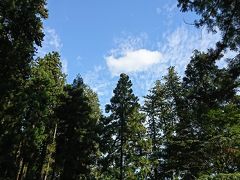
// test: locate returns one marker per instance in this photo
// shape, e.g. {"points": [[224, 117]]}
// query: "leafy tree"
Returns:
{"points": [[162, 106], [211, 91], [43, 92], [20, 31]]}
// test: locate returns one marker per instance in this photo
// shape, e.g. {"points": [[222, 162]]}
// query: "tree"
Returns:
{"points": [[211, 91], [40, 98], [222, 15], [207, 90], [20, 33], [154, 107], [128, 141], [174, 108], [44, 89], [76, 135]]}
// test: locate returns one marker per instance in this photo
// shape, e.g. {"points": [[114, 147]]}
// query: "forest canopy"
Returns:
{"points": [[188, 127]]}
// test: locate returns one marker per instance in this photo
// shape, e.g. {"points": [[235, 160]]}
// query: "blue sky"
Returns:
{"points": [[101, 39]]}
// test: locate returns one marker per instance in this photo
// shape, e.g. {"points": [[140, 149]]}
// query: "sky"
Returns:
{"points": [[101, 39]]}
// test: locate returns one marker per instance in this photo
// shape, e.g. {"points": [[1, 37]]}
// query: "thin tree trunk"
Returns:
{"points": [[48, 163], [121, 158], [17, 156], [20, 174], [53, 171], [121, 146], [154, 146]]}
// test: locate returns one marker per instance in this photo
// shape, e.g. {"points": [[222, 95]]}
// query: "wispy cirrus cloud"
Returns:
{"points": [[177, 46], [131, 52], [145, 66], [52, 42], [167, 8]]}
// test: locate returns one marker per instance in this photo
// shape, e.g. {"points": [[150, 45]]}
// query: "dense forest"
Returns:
{"points": [[187, 128]]}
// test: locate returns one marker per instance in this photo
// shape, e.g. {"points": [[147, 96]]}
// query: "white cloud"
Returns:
{"points": [[174, 49], [133, 61]]}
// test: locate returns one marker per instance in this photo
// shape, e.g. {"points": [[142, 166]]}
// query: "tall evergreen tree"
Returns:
{"points": [[76, 135], [211, 90], [218, 15], [161, 106], [129, 143], [173, 108], [20, 33], [205, 91], [43, 92], [154, 106]]}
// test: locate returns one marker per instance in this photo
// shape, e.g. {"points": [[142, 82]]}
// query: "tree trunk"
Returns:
{"points": [[48, 163], [20, 173], [121, 145]]}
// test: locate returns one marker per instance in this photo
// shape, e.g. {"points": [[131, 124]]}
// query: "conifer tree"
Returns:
{"points": [[41, 97], [129, 144], [20, 33], [161, 106], [205, 92], [77, 135], [173, 108], [154, 105]]}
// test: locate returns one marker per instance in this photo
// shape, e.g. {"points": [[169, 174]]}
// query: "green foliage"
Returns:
{"points": [[20, 33], [76, 135], [128, 145], [49, 130], [216, 15], [161, 108], [43, 91], [221, 176]]}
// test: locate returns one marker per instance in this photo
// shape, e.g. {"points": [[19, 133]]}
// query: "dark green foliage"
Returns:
{"points": [[49, 130], [220, 15], [42, 98], [212, 91], [221, 176], [76, 134], [126, 155], [154, 105], [202, 137], [20, 32]]}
